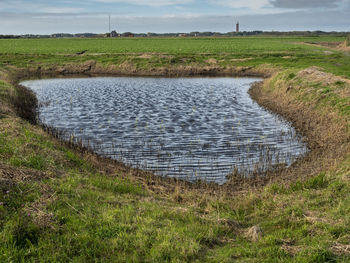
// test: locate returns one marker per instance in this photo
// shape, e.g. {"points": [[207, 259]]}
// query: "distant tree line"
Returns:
{"points": [[191, 34], [9, 36]]}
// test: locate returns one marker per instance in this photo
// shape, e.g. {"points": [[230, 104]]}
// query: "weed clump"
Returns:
{"points": [[347, 41], [37, 162], [24, 232], [291, 76], [25, 104]]}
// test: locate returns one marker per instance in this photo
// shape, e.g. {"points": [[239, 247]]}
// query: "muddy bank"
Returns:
{"points": [[325, 135], [91, 68]]}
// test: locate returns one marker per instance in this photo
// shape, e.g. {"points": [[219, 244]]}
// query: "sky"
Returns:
{"points": [[159, 16]]}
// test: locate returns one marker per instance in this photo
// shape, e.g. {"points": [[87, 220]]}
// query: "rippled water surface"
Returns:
{"points": [[182, 127]]}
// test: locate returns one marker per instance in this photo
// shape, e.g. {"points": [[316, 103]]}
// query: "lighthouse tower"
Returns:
{"points": [[237, 27]]}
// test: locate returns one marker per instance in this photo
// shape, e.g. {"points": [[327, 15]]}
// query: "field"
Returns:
{"points": [[172, 46], [60, 203], [142, 54]]}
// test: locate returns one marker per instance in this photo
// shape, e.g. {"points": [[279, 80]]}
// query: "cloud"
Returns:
{"points": [[62, 10], [302, 4], [42, 16], [22, 6], [43, 23], [251, 4], [153, 3]]}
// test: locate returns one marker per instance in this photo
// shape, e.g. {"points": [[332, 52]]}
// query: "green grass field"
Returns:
{"points": [[217, 46], [285, 52], [60, 205]]}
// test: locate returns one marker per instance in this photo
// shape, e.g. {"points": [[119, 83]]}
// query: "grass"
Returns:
{"points": [[281, 52], [58, 204], [216, 46]]}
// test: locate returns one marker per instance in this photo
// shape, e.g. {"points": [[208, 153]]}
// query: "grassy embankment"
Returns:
{"points": [[59, 204]]}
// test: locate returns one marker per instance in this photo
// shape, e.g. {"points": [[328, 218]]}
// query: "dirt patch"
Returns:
{"points": [[312, 218], [344, 47], [315, 74], [212, 61], [38, 209], [290, 247], [341, 249], [10, 175], [76, 68], [240, 59], [339, 85], [146, 56]]}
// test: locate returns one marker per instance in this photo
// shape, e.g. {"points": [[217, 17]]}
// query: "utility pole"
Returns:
{"points": [[109, 24]]}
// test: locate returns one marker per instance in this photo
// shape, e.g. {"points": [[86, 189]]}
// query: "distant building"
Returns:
{"points": [[114, 34], [128, 34], [59, 35], [237, 27]]}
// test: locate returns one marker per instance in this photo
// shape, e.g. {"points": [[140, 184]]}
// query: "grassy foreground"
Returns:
{"points": [[60, 204]]}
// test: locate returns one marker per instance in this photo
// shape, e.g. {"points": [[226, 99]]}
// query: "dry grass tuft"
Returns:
{"points": [[10, 175], [341, 249], [38, 209], [290, 247], [254, 233]]}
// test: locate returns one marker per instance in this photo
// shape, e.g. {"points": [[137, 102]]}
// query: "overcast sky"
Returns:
{"points": [[73, 16]]}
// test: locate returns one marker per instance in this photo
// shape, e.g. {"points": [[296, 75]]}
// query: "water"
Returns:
{"points": [[190, 128]]}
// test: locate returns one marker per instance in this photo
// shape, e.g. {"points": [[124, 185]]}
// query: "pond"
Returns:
{"points": [[189, 128]]}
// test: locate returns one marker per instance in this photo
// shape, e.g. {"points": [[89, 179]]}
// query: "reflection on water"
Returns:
{"points": [[183, 127]]}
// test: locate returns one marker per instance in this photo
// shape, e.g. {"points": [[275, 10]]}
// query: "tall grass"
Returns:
{"points": [[347, 41]]}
